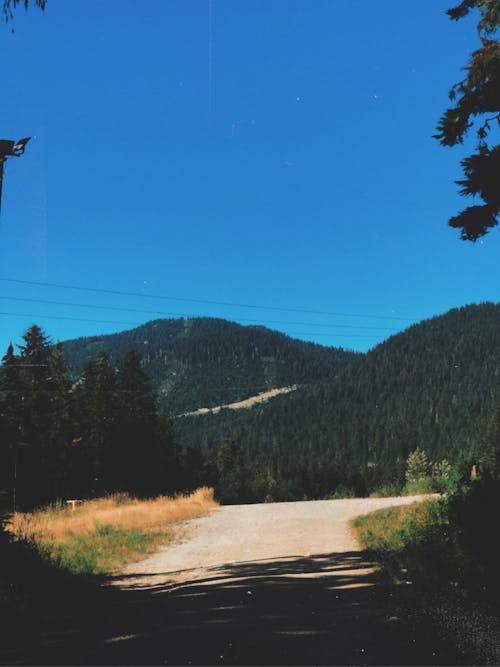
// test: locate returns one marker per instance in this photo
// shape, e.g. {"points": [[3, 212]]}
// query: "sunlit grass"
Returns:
{"points": [[392, 528], [408, 540], [104, 551], [100, 536]]}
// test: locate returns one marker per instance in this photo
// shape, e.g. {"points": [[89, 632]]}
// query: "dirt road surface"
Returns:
{"points": [[238, 534], [270, 584]]}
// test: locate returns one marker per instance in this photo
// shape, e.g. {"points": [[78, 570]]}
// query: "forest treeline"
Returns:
{"points": [[71, 428], [67, 438], [433, 387], [202, 362]]}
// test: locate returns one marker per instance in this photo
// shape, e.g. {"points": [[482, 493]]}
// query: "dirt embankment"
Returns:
{"points": [[263, 397]]}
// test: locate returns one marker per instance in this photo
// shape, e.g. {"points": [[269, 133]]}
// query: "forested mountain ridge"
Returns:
{"points": [[431, 386], [203, 362], [348, 427]]}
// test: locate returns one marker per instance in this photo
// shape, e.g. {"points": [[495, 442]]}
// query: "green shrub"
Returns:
{"points": [[441, 470], [421, 486], [412, 541], [417, 466], [387, 491], [473, 510]]}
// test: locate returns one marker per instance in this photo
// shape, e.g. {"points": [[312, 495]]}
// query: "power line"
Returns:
{"points": [[138, 324], [65, 317], [203, 301], [164, 312]]}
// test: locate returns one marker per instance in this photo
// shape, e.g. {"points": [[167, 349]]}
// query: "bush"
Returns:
{"points": [[441, 470], [412, 541], [417, 466], [387, 491], [425, 485], [451, 543], [473, 510]]}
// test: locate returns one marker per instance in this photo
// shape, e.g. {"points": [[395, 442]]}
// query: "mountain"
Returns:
{"points": [[432, 386], [205, 362], [351, 421]]}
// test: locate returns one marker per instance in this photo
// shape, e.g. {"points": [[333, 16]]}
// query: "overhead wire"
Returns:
{"points": [[67, 317], [138, 324], [165, 297], [186, 315]]}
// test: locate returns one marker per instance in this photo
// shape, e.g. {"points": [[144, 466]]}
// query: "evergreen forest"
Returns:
{"points": [[98, 415], [433, 387], [202, 362], [62, 438]]}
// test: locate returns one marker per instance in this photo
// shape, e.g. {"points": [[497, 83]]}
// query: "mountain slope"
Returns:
{"points": [[431, 386], [204, 362]]}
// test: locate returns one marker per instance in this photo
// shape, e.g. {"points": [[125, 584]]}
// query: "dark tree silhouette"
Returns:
{"points": [[98, 414], [8, 6], [134, 456], [10, 416], [477, 98]]}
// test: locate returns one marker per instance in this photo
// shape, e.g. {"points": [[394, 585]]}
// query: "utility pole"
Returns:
{"points": [[9, 148]]}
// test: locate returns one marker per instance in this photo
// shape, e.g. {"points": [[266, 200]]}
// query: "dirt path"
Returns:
{"points": [[275, 584], [236, 534]]}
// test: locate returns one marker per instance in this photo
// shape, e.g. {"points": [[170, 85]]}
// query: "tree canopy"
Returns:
{"points": [[79, 437], [476, 101], [9, 5]]}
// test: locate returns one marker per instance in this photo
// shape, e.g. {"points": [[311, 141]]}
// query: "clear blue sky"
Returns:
{"points": [[277, 154]]}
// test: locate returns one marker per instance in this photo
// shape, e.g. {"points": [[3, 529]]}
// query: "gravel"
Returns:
{"points": [[242, 533]]}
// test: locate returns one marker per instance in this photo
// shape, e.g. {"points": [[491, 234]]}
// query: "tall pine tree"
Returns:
{"points": [[60, 423], [35, 410], [97, 417], [134, 454], [10, 420]]}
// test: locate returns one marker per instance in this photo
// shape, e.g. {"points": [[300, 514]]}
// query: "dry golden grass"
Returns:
{"points": [[120, 511]]}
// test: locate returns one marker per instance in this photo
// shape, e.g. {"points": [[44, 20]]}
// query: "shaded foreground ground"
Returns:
{"points": [[325, 608]]}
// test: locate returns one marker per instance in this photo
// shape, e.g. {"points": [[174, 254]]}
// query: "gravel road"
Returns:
{"points": [[271, 584], [236, 534]]}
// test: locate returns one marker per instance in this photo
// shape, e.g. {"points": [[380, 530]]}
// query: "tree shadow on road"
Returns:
{"points": [[326, 609]]}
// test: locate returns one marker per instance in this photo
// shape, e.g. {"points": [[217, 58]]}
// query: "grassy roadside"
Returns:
{"points": [[412, 542], [100, 536], [449, 550], [55, 559], [449, 545]]}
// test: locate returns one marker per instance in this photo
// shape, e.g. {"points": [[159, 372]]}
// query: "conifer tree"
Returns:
{"points": [[135, 451], [10, 416], [97, 396], [135, 389], [417, 466], [35, 410], [60, 423], [232, 474], [10, 390]]}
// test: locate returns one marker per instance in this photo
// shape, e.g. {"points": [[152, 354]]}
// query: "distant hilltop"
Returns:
{"points": [[204, 362]]}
